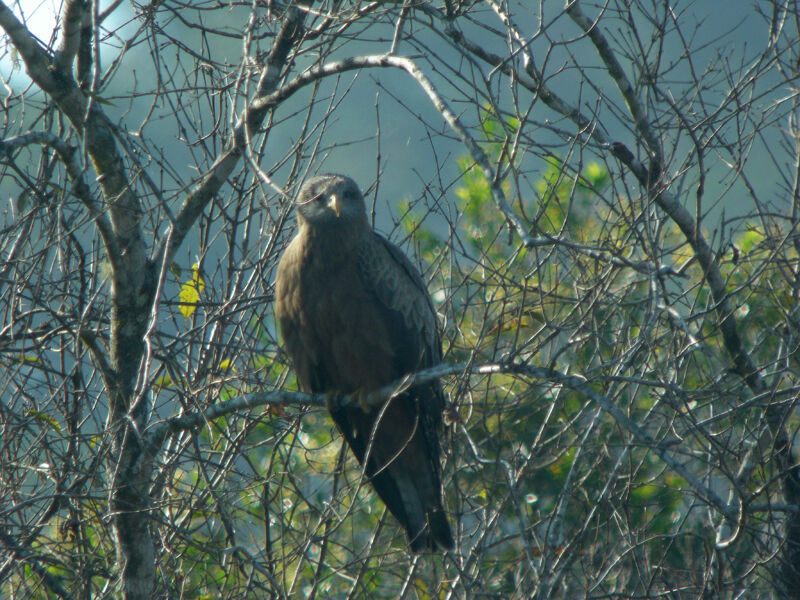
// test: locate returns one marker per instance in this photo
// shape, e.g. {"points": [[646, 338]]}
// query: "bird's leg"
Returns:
{"points": [[361, 394]]}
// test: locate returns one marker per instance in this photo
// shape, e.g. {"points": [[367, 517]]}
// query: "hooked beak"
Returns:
{"points": [[333, 204]]}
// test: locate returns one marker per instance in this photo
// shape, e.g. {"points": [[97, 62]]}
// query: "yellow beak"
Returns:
{"points": [[333, 204]]}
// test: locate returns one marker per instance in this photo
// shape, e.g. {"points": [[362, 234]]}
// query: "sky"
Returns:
{"points": [[40, 16], [409, 162]]}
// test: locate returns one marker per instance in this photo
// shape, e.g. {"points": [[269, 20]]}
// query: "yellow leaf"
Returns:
{"points": [[593, 171], [189, 295], [198, 281], [188, 298]]}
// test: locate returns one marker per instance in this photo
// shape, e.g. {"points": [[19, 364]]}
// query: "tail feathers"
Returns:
{"points": [[420, 514], [440, 529], [432, 535]]}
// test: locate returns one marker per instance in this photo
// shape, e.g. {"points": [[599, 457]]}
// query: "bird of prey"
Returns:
{"points": [[355, 316]]}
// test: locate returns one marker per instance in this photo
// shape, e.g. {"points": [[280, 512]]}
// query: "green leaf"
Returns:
{"points": [[22, 200], [29, 360], [162, 382], [44, 419], [750, 239]]}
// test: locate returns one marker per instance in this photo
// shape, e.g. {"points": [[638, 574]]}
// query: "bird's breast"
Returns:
{"points": [[330, 320]]}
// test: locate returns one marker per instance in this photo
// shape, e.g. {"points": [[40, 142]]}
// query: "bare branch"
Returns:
{"points": [[617, 73], [210, 183], [73, 15]]}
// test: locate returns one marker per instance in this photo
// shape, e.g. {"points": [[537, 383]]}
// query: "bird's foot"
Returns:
{"points": [[335, 401]]}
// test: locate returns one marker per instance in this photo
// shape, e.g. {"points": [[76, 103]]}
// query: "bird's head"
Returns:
{"points": [[331, 200]]}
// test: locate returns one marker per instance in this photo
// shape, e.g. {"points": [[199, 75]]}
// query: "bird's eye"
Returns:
{"points": [[349, 195]]}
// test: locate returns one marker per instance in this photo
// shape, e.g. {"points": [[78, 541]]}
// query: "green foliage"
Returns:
{"points": [[511, 301]]}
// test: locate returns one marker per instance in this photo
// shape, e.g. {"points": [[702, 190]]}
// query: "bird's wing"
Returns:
{"points": [[406, 307], [411, 482], [397, 285]]}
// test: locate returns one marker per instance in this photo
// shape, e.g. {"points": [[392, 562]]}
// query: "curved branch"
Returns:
{"points": [[56, 80], [355, 63], [743, 363], [407, 65], [204, 190], [80, 188], [72, 18]]}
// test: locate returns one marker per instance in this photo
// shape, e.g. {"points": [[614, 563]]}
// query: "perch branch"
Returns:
{"points": [[159, 433]]}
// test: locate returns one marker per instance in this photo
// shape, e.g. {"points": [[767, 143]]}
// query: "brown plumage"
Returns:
{"points": [[355, 316]]}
